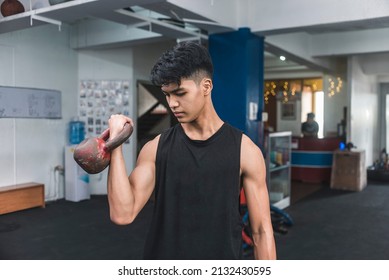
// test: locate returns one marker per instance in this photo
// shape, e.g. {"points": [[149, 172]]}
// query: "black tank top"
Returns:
{"points": [[196, 209]]}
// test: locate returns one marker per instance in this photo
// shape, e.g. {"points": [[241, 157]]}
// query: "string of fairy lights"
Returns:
{"points": [[335, 85], [286, 90]]}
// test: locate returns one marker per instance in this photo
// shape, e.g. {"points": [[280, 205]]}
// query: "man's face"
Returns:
{"points": [[186, 100]]}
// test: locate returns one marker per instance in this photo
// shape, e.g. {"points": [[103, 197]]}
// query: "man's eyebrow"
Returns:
{"points": [[172, 91]]}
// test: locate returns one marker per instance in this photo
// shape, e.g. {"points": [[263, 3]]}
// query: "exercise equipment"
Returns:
{"points": [[94, 154]]}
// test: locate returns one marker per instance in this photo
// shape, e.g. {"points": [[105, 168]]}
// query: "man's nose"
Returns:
{"points": [[173, 103]]}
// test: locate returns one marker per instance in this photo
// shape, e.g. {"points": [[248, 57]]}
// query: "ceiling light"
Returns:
{"points": [[282, 58]]}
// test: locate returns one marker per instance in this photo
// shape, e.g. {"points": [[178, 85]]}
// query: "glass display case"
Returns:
{"points": [[278, 167]]}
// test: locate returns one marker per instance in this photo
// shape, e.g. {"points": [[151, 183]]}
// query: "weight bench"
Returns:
{"points": [[21, 196]]}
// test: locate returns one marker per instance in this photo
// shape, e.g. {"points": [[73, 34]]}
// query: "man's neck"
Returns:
{"points": [[202, 128]]}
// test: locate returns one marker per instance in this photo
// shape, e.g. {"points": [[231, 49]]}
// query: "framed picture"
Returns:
{"points": [[288, 111]]}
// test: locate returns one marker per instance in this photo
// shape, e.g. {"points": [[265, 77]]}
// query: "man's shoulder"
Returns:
{"points": [[149, 150], [168, 133], [233, 129], [248, 144], [152, 144], [251, 157]]}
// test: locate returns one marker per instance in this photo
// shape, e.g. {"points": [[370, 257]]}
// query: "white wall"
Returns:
{"points": [[364, 105], [31, 148]]}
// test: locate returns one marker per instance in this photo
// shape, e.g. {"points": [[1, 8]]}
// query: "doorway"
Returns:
{"points": [[154, 115]]}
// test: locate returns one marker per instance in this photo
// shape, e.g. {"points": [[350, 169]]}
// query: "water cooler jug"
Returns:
{"points": [[76, 179]]}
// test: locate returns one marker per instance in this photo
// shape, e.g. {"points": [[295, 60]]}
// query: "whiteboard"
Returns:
{"points": [[18, 102]]}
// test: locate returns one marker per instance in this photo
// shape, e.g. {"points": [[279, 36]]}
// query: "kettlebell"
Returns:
{"points": [[94, 154]]}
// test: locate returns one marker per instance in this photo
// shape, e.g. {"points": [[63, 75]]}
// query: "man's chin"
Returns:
{"points": [[184, 120]]}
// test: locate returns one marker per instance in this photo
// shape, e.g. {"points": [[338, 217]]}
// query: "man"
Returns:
{"points": [[310, 128], [196, 169]]}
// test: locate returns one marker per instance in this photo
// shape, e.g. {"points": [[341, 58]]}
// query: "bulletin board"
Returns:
{"points": [[99, 99], [19, 102]]}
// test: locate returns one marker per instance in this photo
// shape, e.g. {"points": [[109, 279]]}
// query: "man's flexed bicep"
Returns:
{"points": [[127, 195], [142, 178]]}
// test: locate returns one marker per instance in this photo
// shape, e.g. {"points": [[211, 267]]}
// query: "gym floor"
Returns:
{"points": [[328, 224]]}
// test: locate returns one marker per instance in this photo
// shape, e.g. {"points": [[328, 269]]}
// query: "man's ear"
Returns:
{"points": [[207, 86]]}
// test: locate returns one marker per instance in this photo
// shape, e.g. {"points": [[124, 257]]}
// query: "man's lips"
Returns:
{"points": [[178, 114]]}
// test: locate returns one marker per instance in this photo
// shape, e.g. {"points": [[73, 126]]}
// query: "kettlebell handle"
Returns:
{"points": [[119, 139]]}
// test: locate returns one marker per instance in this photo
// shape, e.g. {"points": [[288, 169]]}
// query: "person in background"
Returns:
{"points": [[310, 128]]}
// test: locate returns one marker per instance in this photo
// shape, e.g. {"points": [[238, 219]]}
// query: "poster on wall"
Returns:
{"points": [[288, 111], [98, 100]]}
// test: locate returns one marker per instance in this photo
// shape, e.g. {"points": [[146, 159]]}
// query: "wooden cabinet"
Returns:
{"points": [[348, 170]]}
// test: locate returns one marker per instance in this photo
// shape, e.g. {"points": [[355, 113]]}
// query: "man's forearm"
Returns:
{"points": [[120, 196], [264, 246]]}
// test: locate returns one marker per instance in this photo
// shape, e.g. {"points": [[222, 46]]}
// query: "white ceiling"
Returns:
{"points": [[182, 20]]}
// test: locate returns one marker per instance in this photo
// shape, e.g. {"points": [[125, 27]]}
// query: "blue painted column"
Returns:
{"points": [[238, 80]]}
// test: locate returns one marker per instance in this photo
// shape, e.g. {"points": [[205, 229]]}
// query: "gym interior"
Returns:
{"points": [[67, 66]]}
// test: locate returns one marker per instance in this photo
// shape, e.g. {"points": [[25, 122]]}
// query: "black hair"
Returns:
{"points": [[185, 60]]}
